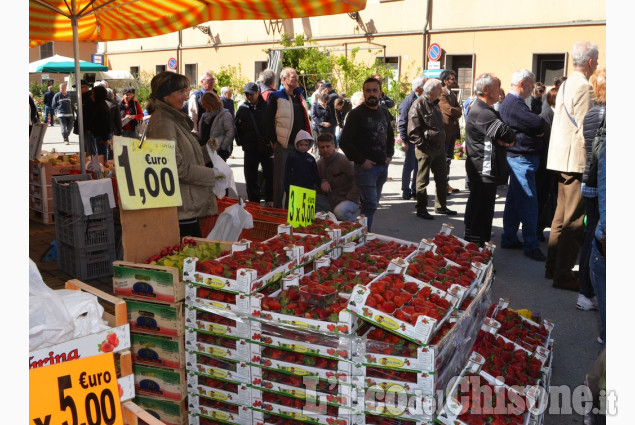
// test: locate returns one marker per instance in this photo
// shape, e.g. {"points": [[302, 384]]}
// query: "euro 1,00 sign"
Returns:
{"points": [[147, 176]]}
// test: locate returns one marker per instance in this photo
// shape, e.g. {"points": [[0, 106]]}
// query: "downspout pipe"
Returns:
{"points": [[425, 35]]}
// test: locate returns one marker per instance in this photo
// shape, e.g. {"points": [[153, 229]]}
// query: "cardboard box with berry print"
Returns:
{"points": [[217, 321], [155, 319], [403, 305], [224, 390], [374, 419], [324, 314], [167, 411], [340, 231], [225, 347], [308, 410], [201, 409], [159, 351], [301, 364], [217, 368], [306, 251], [301, 341], [396, 408], [159, 382], [226, 272], [201, 296], [331, 391]]}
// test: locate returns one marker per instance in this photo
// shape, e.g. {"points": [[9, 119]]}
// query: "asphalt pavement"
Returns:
{"points": [[518, 278]]}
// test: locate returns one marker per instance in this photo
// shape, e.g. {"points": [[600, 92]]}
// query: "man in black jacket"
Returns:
{"points": [[48, 105], [523, 159], [251, 136], [486, 140], [409, 172]]}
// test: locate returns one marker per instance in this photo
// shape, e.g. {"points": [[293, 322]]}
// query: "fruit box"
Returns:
{"points": [[158, 351], [301, 341], [216, 345], [302, 387], [317, 252], [220, 322], [147, 282], [157, 319], [315, 413], [217, 368], [300, 364], [167, 411], [370, 239], [424, 327], [492, 326], [374, 419], [194, 297], [208, 408], [346, 324], [412, 408], [218, 389], [158, 382]]}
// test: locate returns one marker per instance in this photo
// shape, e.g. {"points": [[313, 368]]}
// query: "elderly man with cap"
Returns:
{"points": [[251, 136]]}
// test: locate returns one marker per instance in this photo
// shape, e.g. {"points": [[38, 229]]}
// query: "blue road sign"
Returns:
{"points": [[432, 73]]}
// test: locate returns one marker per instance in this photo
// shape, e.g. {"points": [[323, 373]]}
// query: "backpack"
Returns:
{"points": [[598, 140]]}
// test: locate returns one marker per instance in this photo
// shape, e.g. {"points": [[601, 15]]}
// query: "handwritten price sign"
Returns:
{"points": [[80, 392], [301, 206], [147, 177]]}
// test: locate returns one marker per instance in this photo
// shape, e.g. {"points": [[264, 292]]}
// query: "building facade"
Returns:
{"points": [[496, 36]]}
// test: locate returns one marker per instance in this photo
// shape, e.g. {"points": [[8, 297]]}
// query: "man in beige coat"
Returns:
{"points": [[567, 156]]}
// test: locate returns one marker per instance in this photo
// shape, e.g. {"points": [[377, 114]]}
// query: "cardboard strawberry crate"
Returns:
{"points": [[301, 341], [155, 282], [219, 322], [217, 346], [201, 408], [522, 330], [303, 387], [393, 408], [216, 367], [298, 410], [384, 246], [459, 250], [325, 274], [225, 390], [159, 351], [268, 309], [423, 328], [240, 279], [159, 382], [376, 419], [340, 231], [298, 363], [202, 296], [167, 411], [156, 319], [323, 243]]}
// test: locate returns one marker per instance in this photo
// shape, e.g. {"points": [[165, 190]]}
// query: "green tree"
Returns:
{"points": [[231, 76]]}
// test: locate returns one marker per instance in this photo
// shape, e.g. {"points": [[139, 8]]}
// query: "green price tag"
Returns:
{"points": [[146, 176], [301, 206]]}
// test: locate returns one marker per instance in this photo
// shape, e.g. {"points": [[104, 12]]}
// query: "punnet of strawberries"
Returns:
{"points": [[452, 249], [521, 331], [218, 384], [504, 359], [386, 249], [204, 360], [261, 261], [289, 302], [433, 268], [406, 301], [389, 374], [361, 262], [309, 242], [383, 342], [342, 280], [321, 386], [299, 359]]}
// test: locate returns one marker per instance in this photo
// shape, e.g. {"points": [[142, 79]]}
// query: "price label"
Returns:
{"points": [[147, 176], [79, 392], [301, 206]]}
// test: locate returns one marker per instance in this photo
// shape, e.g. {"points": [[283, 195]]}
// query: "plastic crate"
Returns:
{"points": [[66, 198], [261, 231], [85, 231], [86, 263]]}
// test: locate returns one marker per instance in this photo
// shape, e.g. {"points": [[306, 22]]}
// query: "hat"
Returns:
{"points": [[250, 88], [82, 83], [303, 135], [326, 86]]}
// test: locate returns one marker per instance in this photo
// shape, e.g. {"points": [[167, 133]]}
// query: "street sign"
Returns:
{"points": [[95, 58], [172, 63], [434, 52], [147, 176], [434, 65], [301, 206], [83, 391], [432, 73]]}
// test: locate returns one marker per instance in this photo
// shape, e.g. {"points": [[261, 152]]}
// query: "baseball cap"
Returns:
{"points": [[82, 83], [326, 86], [250, 88]]}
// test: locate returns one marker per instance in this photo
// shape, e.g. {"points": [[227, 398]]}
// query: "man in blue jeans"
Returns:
{"points": [[368, 140], [409, 172], [523, 159]]}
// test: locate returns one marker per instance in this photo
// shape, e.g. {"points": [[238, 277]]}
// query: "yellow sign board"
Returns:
{"points": [[79, 392], [147, 176], [301, 206]]}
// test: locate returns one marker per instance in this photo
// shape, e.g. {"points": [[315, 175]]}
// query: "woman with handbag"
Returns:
{"points": [[131, 113]]}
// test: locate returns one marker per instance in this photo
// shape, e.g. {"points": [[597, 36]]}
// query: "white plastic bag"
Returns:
{"points": [[222, 167], [230, 223], [85, 311]]}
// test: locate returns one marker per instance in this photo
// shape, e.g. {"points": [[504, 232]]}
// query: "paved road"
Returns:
{"points": [[518, 278]]}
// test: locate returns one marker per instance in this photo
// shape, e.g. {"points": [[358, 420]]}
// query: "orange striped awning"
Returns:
{"points": [[106, 20]]}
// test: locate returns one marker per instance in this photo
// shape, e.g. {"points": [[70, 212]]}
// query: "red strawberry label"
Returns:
{"points": [[113, 339]]}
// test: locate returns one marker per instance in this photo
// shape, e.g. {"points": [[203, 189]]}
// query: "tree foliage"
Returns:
{"points": [[312, 64], [230, 76]]}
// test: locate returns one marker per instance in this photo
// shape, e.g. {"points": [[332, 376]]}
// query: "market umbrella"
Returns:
{"points": [[64, 65], [105, 20]]}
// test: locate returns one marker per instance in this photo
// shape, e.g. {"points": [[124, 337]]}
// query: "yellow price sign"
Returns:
{"points": [[301, 206], [79, 392], [147, 176]]}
